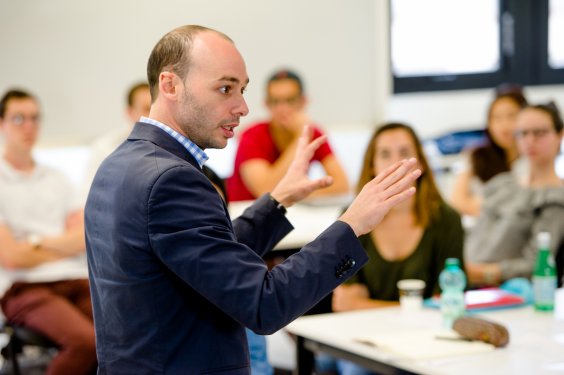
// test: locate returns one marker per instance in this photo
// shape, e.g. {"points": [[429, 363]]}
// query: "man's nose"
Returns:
{"points": [[242, 109]]}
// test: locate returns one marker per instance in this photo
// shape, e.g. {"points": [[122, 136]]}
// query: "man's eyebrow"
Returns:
{"points": [[233, 79]]}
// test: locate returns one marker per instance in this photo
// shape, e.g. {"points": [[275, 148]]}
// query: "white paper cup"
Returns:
{"points": [[411, 294]]}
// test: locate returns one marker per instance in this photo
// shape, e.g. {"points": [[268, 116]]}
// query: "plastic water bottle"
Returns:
{"points": [[452, 281], [544, 275]]}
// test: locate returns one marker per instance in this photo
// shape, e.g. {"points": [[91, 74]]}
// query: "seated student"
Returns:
{"points": [[498, 155], [43, 273], [412, 241], [502, 245], [266, 149]]}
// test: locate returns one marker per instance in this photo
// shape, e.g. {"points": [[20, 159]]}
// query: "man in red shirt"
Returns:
{"points": [[266, 149]]}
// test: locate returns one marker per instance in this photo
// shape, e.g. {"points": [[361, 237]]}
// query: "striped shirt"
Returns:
{"points": [[190, 146]]}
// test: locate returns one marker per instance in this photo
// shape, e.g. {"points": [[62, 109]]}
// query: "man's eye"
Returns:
{"points": [[243, 90], [225, 89]]}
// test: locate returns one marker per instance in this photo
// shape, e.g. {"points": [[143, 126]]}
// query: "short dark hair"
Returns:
{"points": [[286, 74], [552, 110], [10, 95], [172, 52], [133, 90]]}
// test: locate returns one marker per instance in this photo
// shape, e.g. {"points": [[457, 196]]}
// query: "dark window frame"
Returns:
{"points": [[523, 54]]}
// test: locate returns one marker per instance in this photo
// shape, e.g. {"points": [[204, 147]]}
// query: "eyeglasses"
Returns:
{"points": [[291, 101], [19, 119], [536, 133]]}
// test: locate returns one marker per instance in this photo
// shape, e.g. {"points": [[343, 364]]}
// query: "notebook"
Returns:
{"points": [[484, 299]]}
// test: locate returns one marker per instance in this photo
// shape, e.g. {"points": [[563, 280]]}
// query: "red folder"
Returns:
{"points": [[489, 298]]}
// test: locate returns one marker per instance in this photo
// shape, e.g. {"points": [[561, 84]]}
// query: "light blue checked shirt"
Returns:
{"points": [[190, 146]]}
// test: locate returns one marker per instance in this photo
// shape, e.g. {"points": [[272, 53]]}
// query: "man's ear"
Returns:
{"points": [[168, 83]]}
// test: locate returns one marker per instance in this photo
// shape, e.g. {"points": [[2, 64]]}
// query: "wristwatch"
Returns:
{"points": [[279, 206], [34, 240]]}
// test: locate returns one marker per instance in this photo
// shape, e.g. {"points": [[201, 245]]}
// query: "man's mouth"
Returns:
{"points": [[228, 130]]}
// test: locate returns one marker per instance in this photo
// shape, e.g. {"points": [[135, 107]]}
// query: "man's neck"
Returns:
{"points": [[164, 118]]}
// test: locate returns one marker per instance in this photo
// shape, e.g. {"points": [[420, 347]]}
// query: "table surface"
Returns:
{"points": [[536, 340], [308, 219]]}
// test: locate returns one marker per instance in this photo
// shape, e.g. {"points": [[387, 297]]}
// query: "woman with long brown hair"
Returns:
{"points": [[413, 240]]}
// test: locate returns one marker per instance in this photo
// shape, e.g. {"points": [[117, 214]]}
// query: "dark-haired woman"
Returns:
{"points": [[499, 154]]}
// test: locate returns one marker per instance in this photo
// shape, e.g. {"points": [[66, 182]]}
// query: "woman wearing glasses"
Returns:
{"points": [[502, 245]]}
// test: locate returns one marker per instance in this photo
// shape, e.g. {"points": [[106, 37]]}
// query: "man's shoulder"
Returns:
{"points": [[149, 154]]}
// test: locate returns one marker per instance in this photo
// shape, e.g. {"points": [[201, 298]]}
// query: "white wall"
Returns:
{"points": [[80, 57]]}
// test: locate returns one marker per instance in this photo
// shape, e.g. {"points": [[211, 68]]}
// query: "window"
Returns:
{"points": [[556, 34], [445, 44]]}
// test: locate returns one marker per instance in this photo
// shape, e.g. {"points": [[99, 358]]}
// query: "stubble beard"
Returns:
{"points": [[195, 124]]}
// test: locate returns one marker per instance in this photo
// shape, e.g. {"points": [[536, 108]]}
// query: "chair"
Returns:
{"points": [[18, 338]]}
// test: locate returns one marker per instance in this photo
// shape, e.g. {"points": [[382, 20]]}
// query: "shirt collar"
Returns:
{"points": [[190, 146]]}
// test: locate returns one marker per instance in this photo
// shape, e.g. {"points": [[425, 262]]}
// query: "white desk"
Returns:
{"points": [[309, 221], [536, 342]]}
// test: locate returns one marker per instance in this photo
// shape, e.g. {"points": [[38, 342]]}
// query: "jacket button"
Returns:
{"points": [[350, 264]]}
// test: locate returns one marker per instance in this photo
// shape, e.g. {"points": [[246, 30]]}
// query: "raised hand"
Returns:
{"points": [[296, 185], [392, 186]]}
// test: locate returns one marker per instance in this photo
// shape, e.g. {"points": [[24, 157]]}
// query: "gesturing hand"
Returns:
{"points": [[378, 196], [296, 185]]}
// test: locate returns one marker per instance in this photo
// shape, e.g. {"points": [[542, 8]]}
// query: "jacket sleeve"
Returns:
{"points": [[191, 234], [261, 226]]}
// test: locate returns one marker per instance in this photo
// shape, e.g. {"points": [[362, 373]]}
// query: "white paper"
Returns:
{"points": [[424, 344]]}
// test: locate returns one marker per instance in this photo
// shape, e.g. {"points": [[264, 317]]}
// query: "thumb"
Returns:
{"points": [[322, 182]]}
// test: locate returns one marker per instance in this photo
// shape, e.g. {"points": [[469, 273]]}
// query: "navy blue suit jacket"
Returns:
{"points": [[173, 283]]}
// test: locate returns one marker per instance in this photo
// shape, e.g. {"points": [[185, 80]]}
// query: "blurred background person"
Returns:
{"points": [[138, 101], [503, 245], [266, 149], [43, 273], [412, 242], [499, 153]]}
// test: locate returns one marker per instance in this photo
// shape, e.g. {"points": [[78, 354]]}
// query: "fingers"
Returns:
{"points": [[306, 147], [395, 172], [307, 133], [323, 182], [399, 197], [311, 185], [401, 185], [314, 145]]}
